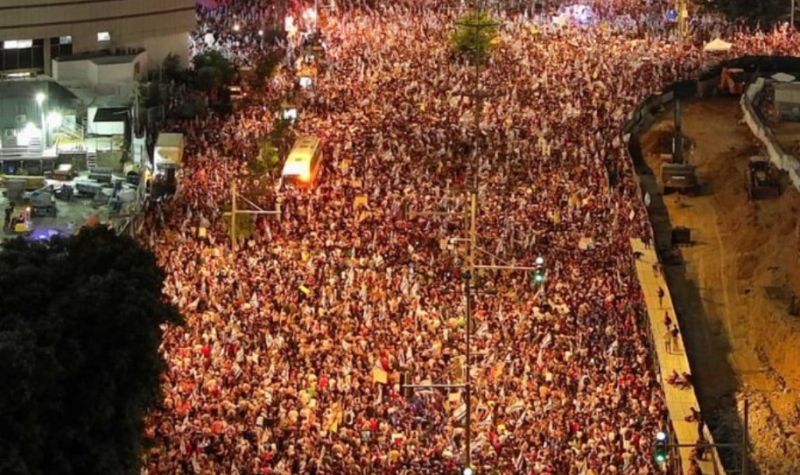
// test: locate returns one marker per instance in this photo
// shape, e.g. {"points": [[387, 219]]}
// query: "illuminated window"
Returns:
{"points": [[103, 36], [17, 44], [65, 40]]}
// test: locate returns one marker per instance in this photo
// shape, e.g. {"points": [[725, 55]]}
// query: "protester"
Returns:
{"points": [[294, 344]]}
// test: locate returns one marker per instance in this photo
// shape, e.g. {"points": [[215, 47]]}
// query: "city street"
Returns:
{"points": [[297, 338]]}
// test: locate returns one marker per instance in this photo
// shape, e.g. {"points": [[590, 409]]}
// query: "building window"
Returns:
{"points": [[103, 36], [60, 46], [17, 44], [22, 55]]}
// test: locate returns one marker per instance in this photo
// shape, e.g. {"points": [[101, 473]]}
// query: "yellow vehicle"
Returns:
{"points": [[303, 163], [30, 182]]}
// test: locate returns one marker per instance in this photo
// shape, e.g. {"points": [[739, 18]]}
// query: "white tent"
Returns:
{"points": [[783, 77], [717, 45]]}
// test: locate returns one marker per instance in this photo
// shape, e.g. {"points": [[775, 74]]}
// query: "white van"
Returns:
{"points": [[303, 163]]}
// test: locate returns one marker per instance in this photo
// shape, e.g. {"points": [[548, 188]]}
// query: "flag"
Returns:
{"points": [[380, 376], [460, 412], [361, 200], [335, 418]]}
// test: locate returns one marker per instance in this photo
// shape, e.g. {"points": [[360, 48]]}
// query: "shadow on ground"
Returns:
{"points": [[716, 380]]}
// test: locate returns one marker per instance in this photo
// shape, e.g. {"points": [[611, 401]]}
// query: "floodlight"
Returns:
{"points": [[54, 119]]}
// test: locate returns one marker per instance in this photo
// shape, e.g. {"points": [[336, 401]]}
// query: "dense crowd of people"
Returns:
{"points": [[295, 344]]}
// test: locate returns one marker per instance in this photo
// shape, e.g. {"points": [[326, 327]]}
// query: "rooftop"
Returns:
{"points": [[104, 56], [111, 114], [28, 88]]}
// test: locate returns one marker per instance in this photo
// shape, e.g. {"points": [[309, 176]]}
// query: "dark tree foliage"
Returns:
{"points": [[79, 361], [764, 10], [213, 70], [171, 68], [474, 35]]}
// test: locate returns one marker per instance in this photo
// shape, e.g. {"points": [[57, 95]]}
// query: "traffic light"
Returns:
{"points": [[540, 271], [662, 448]]}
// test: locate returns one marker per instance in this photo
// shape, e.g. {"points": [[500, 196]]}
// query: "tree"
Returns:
{"points": [[214, 64], [268, 158], [208, 78], [764, 10], [474, 35], [80, 325], [269, 148], [171, 67], [266, 68]]}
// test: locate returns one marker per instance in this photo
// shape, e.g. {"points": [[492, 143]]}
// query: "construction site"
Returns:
{"points": [[63, 164], [730, 251]]}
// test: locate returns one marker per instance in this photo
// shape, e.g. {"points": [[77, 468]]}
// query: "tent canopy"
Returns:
{"points": [[783, 77], [717, 45]]}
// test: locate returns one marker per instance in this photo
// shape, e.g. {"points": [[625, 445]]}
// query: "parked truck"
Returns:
{"points": [[762, 180], [168, 153]]}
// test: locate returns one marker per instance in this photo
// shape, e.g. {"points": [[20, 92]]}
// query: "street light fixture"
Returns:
{"points": [[40, 98]]}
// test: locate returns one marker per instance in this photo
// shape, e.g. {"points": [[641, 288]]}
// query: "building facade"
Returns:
{"points": [[32, 32]]}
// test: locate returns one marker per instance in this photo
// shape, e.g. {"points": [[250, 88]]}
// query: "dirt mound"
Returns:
{"points": [[733, 293], [778, 450]]}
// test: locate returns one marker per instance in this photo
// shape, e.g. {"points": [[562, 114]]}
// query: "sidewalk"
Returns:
{"points": [[679, 401]]}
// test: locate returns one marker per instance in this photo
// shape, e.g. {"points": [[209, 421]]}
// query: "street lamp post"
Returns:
{"points": [[40, 98], [469, 275], [468, 385]]}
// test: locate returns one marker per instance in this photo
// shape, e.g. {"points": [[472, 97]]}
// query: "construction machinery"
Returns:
{"points": [[763, 180], [678, 176], [676, 172], [42, 202]]}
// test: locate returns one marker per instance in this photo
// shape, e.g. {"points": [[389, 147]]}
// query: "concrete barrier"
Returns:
{"points": [[777, 155]]}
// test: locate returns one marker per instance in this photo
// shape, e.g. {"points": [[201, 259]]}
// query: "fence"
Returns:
{"points": [[777, 155]]}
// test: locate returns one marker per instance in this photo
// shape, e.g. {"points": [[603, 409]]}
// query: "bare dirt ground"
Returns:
{"points": [[733, 290], [788, 135]]}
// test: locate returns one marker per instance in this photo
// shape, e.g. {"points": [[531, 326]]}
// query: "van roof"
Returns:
{"points": [[305, 144], [166, 139]]}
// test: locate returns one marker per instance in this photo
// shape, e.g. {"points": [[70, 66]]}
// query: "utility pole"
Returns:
{"points": [[469, 277], [468, 383], [233, 215], [746, 423], [683, 19], [677, 151]]}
